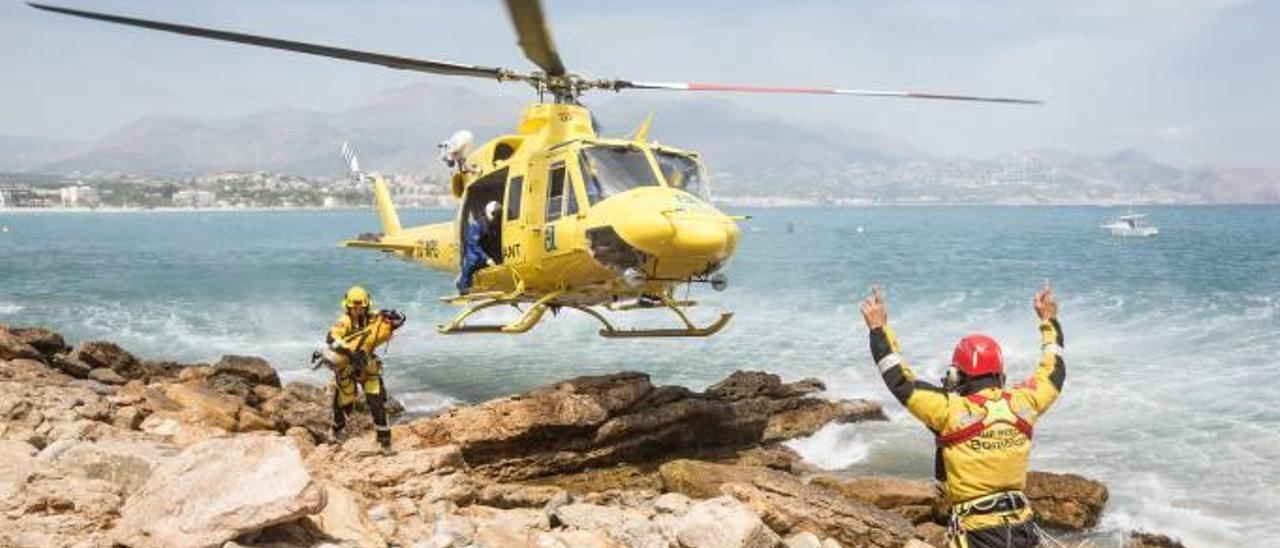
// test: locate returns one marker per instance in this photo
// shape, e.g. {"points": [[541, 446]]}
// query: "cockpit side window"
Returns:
{"points": [[555, 191], [612, 169], [683, 172]]}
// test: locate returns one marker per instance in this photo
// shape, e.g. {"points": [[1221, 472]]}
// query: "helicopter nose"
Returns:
{"points": [[702, 237], [678, 234]]}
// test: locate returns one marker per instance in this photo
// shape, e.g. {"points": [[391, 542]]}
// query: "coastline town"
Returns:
{"points": [[227, 190]]}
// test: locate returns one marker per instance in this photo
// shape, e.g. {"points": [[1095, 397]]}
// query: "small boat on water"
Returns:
{"points": [[1131, 225]]}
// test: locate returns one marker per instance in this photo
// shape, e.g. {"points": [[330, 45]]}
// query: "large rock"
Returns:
{"points": [[97, 354], [253, 369], [218, 490], [13, 347], [201, 406], [803, 416], [788, 505], [1139, 539], [599, 421], [723, 522], [741, 385], [303, 405], [883, 491], [72, 365], [1067, 501], [46, 341], [127, 464]]}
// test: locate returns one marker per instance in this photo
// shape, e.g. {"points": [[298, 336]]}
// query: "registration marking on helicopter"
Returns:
{"points": [[431, 249]]}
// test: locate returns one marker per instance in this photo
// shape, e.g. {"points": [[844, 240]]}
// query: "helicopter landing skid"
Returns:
{"points": [[525, 322], [532, 315], [689, 329]]}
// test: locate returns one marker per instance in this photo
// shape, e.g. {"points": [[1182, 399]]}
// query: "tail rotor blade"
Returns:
{"points": [[352, 159]]}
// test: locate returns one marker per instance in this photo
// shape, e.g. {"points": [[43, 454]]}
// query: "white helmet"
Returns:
{"points": [[491, 210]]}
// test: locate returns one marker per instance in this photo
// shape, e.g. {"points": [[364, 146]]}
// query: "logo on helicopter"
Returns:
{"points": [[549, 241]]}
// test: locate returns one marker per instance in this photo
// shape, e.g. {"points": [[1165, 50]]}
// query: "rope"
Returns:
{"points": [[1045, 536]]}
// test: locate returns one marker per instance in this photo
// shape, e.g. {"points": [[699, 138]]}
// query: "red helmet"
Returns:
{"points": [[978, 355]]}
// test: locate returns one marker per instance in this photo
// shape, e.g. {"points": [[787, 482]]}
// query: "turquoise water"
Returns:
{"points": [[1173, 343]]}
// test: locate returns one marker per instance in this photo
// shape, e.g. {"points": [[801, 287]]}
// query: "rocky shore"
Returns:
{"points": [[99, 447]]}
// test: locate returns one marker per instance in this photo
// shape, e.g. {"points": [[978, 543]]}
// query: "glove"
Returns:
{"points": [[322, 359], [396, 319]]}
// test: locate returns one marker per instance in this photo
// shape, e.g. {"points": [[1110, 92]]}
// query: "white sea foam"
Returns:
{"points": [[7, 309], [425, 402], [834, 447]]}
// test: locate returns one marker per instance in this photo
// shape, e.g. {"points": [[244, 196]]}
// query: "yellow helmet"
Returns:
{"points": [[357, 296]]}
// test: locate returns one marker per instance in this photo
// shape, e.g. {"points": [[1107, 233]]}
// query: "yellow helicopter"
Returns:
{"points": [[582, 221]]}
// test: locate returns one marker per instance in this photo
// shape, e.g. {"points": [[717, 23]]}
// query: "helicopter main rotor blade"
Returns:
{"points": [[689, 86], [535, 35], [393, 61]]}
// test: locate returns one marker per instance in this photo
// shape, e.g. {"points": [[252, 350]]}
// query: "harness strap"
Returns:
{"points": [[976, 428], [962, 435], [1002, 502]]}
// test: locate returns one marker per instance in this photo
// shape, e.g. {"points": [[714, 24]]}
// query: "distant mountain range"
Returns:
{"points": [[750, 154]]}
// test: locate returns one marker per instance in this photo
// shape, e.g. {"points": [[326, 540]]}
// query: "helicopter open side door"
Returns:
{"points": [[488, 189]]}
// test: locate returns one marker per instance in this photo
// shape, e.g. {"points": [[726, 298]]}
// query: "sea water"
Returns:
{"points": [[1172, 342]]}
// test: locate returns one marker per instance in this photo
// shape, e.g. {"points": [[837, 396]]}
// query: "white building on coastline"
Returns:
{"points": [[194, 198], [79, 196]]}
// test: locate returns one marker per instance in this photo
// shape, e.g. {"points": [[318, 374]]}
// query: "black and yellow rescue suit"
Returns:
{"points": [[354, 340], [983, 434]]}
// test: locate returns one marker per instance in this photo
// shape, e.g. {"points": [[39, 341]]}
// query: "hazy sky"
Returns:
{"points": [[1191, 81]]}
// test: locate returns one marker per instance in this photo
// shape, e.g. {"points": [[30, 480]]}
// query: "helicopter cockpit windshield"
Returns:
{"points": [[684, 172], [612, 169]]}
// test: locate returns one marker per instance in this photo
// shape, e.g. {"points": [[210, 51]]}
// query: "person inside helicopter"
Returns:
{"points": [[481, 230]]}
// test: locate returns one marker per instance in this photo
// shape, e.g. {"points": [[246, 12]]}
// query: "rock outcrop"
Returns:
{"points": [[218, 490], [1067, 501], [1139, 539], [788, 505], [598, 421], [13, 347], [918, 501]]}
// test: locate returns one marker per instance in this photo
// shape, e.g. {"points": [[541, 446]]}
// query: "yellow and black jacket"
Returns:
{"points": [[354, 342], [984, 435]]}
